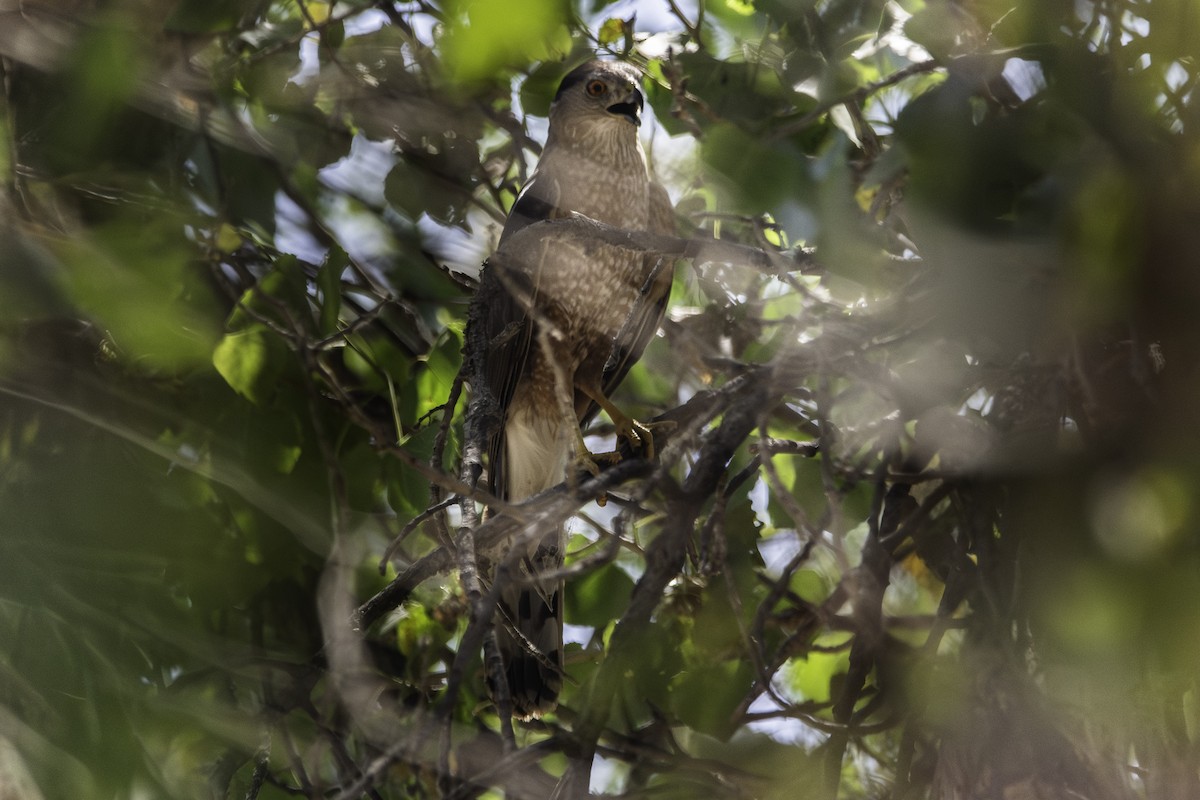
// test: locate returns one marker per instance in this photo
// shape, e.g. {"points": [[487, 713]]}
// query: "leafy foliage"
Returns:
{"points": [[923, 524]]}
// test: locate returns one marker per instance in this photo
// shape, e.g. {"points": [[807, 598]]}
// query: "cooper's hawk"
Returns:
{"points": [[565, 317]]}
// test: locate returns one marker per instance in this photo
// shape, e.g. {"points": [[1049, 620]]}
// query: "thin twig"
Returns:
{"points": [[410, 527]]}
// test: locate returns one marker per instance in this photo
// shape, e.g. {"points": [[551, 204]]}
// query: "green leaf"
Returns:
{"points": [[433, 382], [612, 31], [137, 281], [333, 35], [284, 283], [939, 28], [329, 282], [205, 16], [362, 468], [538, 89], [812, 676], [705, 696], [407, 489], [417, 630], [376, 358], [809, 585], [740, 18], [435, 178], [242, 185], [599, 597], [735, 91], [484, 38], [760, 173], [249, 361], [802, 478]]}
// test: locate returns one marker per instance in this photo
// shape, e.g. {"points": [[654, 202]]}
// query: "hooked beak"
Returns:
{"points": [[630, 108]]}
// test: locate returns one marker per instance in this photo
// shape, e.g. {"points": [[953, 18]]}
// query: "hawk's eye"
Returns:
{"points": [[596, 88]]}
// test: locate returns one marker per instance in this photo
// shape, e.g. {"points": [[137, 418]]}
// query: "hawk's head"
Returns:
{"points": [[603, 93]]}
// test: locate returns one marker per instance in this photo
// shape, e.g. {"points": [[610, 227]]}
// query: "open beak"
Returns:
{"points": [[630, 108]]}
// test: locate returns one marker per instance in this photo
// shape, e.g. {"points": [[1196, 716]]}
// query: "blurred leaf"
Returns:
{"points": [[318, 12], [205, 16], [612, 31], [138, 281], [333, 35], [227, 239], [940, 28], [251, 361], [743, 8], [599, 597], [810, 585], [802, 478], [1109, 233], [279, 296], [851, 243], [106, 65], [735, 91], [434, 379], [361, 467], [329, 282], [658, 661], [483, 39], [1095, 609], [418, 633], [716, 634], [408, 490], [737, 17], [704, 697], [760, 173], [539, 87], [244, 186], [812, 676], [436, 179]]}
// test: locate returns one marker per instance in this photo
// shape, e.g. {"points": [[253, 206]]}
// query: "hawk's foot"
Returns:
{"points": [[588, 462], [641, 435]]}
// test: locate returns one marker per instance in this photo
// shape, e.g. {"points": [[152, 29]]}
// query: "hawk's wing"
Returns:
{"points": [[509, 332], [647, 314]]}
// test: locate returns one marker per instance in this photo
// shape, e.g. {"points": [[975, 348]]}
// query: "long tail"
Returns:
{"points": [[530, 631]]}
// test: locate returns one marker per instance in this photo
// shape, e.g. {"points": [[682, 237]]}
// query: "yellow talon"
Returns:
{"points": [[641, 435]]}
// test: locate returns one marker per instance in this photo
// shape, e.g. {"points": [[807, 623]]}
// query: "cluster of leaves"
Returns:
{"points": [[925, 523]]}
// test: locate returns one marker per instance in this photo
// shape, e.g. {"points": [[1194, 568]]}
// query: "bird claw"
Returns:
{"points": [[641, 435], [586, 462]]}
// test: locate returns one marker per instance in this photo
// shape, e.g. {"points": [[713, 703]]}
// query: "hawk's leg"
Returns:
{"points": [[557, 355], [638, 435], [584, 458]]}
